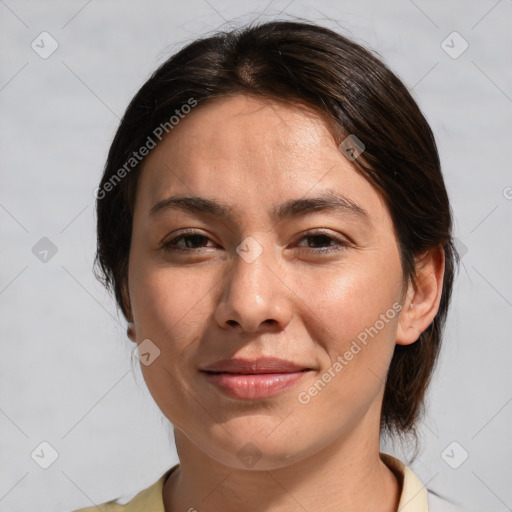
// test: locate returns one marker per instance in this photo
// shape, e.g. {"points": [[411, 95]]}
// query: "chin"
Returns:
{"points": [[250, 450]]}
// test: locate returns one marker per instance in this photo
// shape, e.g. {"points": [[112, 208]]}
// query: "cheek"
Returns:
{"points": [[352, 316], [166, 298], [350, 300], [170, 306]]}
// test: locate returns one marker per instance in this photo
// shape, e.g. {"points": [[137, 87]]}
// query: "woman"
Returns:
{"points": [[275, 226]]}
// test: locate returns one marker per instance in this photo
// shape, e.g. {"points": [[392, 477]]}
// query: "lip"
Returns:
{"points": [[254, 366], [254, 379], [254, 386]]}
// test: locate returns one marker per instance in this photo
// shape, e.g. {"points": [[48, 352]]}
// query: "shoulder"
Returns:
{"points": [[415, 497], [149, 499]]}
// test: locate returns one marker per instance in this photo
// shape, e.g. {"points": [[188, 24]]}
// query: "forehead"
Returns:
{"points": [[250, 151]]}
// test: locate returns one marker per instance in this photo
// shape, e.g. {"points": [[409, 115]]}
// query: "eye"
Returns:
{"points": [[322, 239], [191, 239]]}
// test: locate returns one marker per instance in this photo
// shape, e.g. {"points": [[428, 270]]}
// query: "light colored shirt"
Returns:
{"points": [[414, 496]]}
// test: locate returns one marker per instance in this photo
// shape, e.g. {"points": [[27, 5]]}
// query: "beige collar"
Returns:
{"points": [[412, 499]]}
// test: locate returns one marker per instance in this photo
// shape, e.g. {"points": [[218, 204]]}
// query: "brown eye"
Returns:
{"points": [[322, 243], [191, 242]]}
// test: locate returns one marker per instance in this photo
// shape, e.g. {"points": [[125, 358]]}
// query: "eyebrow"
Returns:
{"points": [[329, 201]]}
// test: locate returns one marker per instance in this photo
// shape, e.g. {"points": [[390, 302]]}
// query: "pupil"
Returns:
{"points": [[195, 239], [325, 239]]}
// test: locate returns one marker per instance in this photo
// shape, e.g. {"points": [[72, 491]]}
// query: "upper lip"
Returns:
{"points": [[254, 366]]}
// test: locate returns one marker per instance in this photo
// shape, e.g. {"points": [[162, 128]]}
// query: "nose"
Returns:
{"points": [[254, 296]]}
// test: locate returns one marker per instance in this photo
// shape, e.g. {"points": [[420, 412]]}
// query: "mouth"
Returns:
{"points": [[254, 366], [254, 379]]}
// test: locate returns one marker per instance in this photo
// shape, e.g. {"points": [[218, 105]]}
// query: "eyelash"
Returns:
{"points": [[172, 244]]}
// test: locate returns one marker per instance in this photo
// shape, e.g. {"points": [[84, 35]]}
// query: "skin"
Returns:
{"points": [[291, 302]]}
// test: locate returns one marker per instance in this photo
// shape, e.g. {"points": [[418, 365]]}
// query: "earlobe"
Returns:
{"points": [[130, 331], [407, 333], [423, 297]]}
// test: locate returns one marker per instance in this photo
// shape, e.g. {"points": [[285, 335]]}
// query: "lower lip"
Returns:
{"points": [[255, 386]]}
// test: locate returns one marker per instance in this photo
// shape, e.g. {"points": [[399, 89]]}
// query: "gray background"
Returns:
{"points": [[65, 366]]}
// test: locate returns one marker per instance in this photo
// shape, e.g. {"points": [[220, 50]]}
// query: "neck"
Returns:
{"points": [[347, 475]]}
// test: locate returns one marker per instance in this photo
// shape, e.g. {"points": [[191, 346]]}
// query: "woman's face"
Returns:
{"points": [[318, 285]]}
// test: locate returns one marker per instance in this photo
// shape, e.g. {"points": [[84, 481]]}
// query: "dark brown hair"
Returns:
{"points": [[356, 93]]}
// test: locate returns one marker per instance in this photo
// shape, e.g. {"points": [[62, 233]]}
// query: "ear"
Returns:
{"points": [[423, 296], [130, 331]]}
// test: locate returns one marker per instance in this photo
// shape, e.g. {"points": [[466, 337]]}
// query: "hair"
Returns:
{"points": [[303, 65]]}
